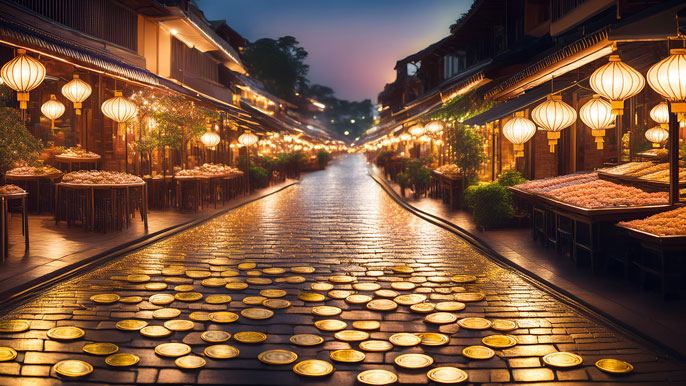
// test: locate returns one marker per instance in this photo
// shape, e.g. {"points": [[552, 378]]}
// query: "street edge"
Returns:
{"points": [[556, 291], [35, 287]]}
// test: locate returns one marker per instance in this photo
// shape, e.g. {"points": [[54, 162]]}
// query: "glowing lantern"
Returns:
{"points": [[668, 78], [247, 139], [119, 109], [417, 130], [657, 135], [22, 74], [434, 126], [597, 114], [518, 130], [77, 91], [386, 142], [553, 116], [616, 81], [405, 137], [660, 114], [210, 139], [52, 109]]}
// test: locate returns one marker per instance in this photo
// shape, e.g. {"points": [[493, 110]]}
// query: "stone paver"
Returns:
{"points": [[341, 223]]}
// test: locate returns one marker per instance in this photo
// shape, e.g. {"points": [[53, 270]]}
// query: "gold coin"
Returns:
{"points": [[342, 279], [219, 261], [409, 299], [179, 325], [215, 336], [161, 299], [249, 337], [14, 326], [199, 316], [100, 348], [306, 339], [326, 310], [223, 317], [348, 356], [155, 286], [253, 273], [313, 368], [499, 341], [253, 300], [311, 297], [469, 296], [65, 333], [614, 366], [184, 288], [273, 293], [246, 266], [339, 294], [438, 279], [366, 286], [478, 352], [122, 360], [197, 274], [376, 345], [257, 313], [503, 325], [433, 339], [351, 335], [450, 306], [423, 308], [562, 359], [166, 313], [321, 286], [274, 271], [440, 318], [450, 375], [414, 361], [236, 286], [137, 278], [217, 299], [229, 273], [463, 278], [177, 280], [105, 298], [405, 339], [474, 323], [403, 286], [172, 350], [358, 299], [366, 324], [214, 282], [7, 354], [403, 269], [386, 293], [277, 357], [131, 299], [377, 377], [173, 271], [276, 303], [130, 324], [73, 368], [382, 305], [188, 296], [330, 325], [155, 331], [221, 351], [258, 281], [190, 362], [295, 279], [302, 269]]}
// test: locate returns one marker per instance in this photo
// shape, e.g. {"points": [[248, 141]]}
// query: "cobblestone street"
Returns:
{"points": [[340, 223]]}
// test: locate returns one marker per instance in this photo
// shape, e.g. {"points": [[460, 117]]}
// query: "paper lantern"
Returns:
{"points": [[210, 139], [668, 78], [657, 135], [660, 114], [119, 109], [405, 137], [77, 91], [417, 130], [434, 126], [22, 74], [518, 130], [52, 109], [247, 139], [597, 114], [617, 82], [553, 116]]}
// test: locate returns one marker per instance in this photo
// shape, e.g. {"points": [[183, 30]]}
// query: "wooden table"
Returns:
{"points": [[158, 188], [4, 238], [449, 188], [24, 181], [194, 182], [70, 161]]}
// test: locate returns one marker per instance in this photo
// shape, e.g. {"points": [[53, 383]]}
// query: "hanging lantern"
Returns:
{"points": [[434, 126], [417, 130], [668, 78], [247, 138], [210, 139], [657, 135], [597, 114], [660, 114], [22, 74], [120, 110], [52, 109], [77, 91], [405, 137], [553, 116], [518, 130], [616, 81]]}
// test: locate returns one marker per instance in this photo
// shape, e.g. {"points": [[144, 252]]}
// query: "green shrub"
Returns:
{"points": [[383, 157], [491, 205], [511, 178], [16, 143], [323, 158], [403, 180], [469, 196], [258, 176], [267, 162], [418, 174]]}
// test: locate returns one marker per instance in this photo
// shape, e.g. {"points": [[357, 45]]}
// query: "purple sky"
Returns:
{"points": [[352, 44]]}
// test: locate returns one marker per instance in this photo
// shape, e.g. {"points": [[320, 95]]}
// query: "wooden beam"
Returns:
{"points": [[673, 144]]}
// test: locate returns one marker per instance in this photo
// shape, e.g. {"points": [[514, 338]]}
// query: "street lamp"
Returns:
{"points": [[247, 139]]}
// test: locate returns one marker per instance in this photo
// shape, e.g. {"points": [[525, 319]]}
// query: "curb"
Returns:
{"points": [[33, 288]]}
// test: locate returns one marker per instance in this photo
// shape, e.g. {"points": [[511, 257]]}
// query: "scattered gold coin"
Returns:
{"points": [[73, 368], [351, 335], [155, 286], [306, 339], [223, 317], [614, 366], [166, 313], [562, 359], [179, 325], [330, 325], [249, 337], [122, 360], [376, 345], [366, 324], [221, 351], [313, 368], [382, 305], [499, 341], [105, 298], [447, 375], [7, 354], [155, 331], [188, 296], [130, 324], [217, 299], [257, 313], [277, 357], [414, 361], [347, 355], [190, 362], [14, 326], [215, 336], [311, 297], [377, 377], [326, 310], [478, 352], [100, 348], [366, 286], [65, 333], [172, 350], [404, 339], [276, 303], [474, 323]]}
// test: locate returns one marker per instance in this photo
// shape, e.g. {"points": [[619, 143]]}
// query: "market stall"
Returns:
{"points": [[38, 181], [11, 193], [76, 158], [208, 181]]}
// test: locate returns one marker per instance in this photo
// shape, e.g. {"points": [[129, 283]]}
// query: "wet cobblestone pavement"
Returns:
{"points": [[340, 223]]}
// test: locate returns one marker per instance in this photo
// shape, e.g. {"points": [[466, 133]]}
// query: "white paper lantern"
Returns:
{"points": [[434, 126], [77, 91], [119, 109], [22, 74], [417, 130], [52, 109], [660, 114], [210, 139], [657, 135], [597, 114], [668, 78], [518, 130], [617, 82], [247, 139], [553, 116]]}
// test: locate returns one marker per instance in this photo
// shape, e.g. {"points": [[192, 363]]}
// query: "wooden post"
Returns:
{"points": [[619, 139], [673, 144]]}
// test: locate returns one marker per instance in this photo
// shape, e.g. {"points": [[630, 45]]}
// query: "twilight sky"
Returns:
{"points": [[352, 44]]}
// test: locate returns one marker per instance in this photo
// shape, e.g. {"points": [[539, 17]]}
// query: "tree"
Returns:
{"points": [[467, 150], [342, 115], [16, 143], [278, 64]]}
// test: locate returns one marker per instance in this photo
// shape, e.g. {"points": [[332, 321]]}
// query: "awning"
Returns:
{"points": [[655, 23]]}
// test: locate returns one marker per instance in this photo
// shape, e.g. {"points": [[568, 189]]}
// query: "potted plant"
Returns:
{"points": [[16, 143], [323, 157], [403, 181]]}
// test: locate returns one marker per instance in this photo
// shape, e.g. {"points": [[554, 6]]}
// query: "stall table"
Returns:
{"points": [[4, 238], [449, 188], [26, 181], [79, 161], [650, 185]]}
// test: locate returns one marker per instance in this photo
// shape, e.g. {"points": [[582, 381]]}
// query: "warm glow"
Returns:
{"points": [[210, 139], [660, 113], [119, 109], [553, 116], [668, 78], [52, 109], [22, 74], [657, 135], [518, 130], [417, 130], [597, 114], [617, 81], [434, 126], [77, 91], [247, 139]]}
